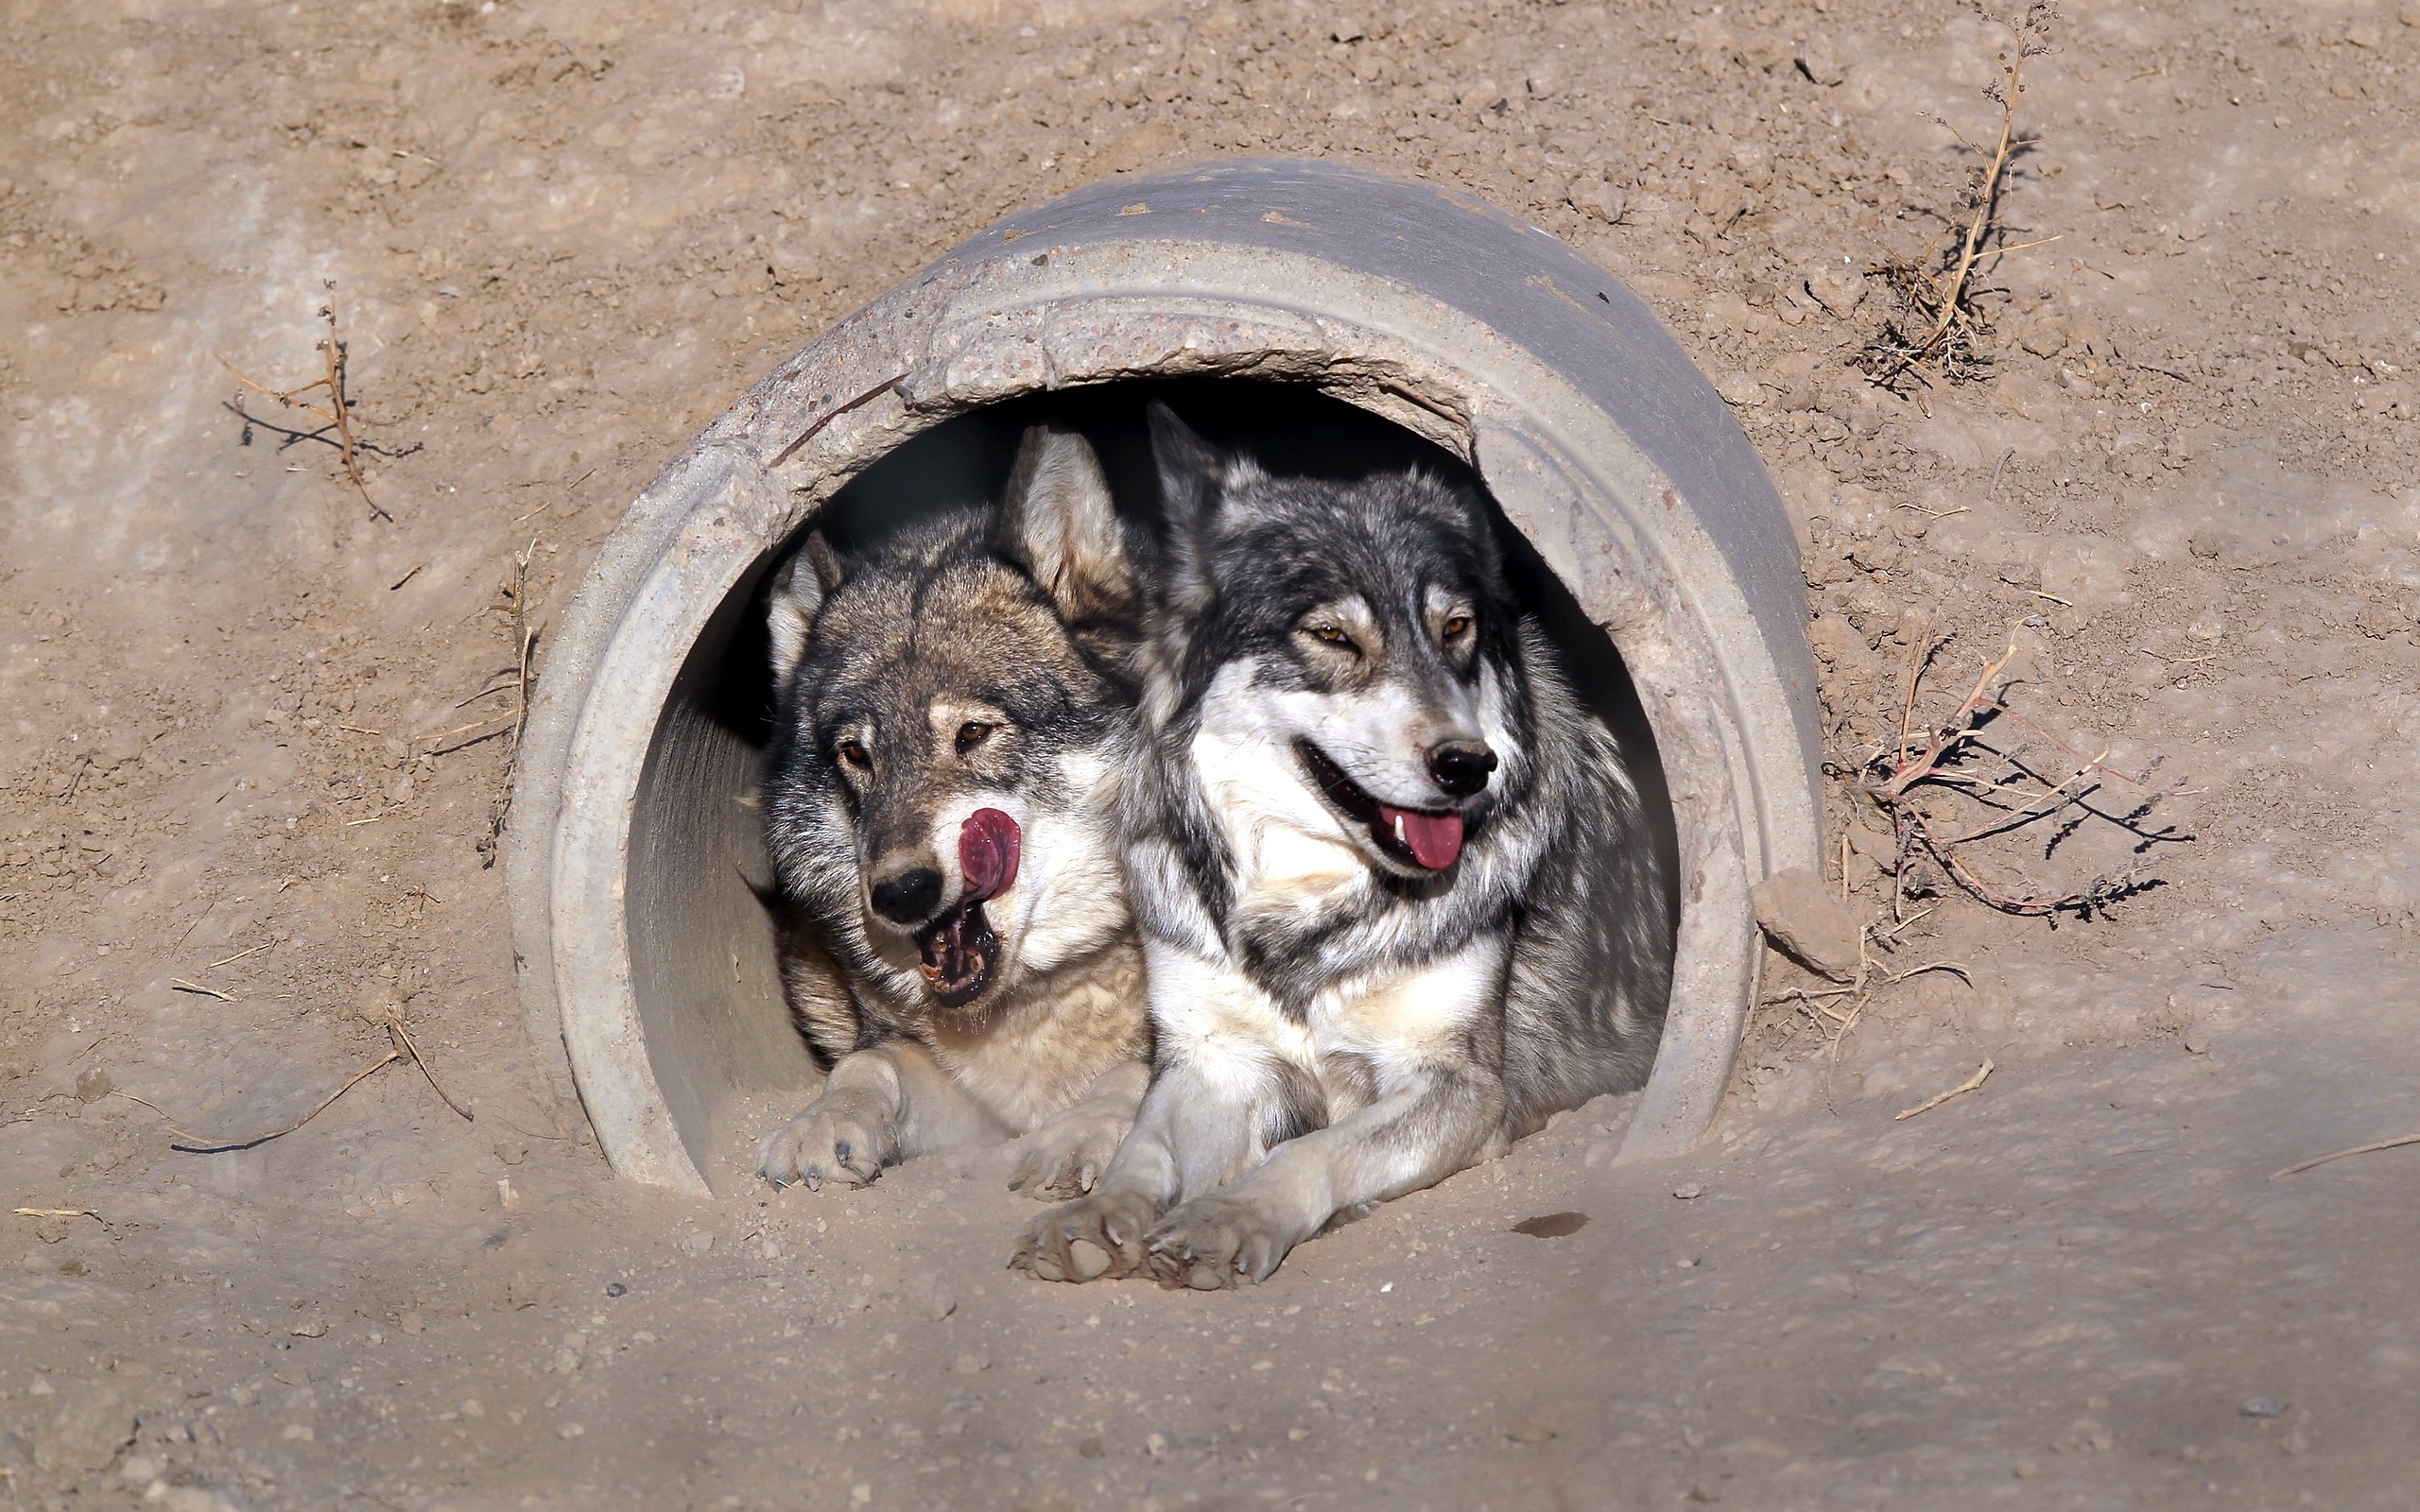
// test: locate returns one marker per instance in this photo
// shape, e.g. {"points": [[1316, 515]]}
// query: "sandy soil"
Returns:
{"points": [[562, 237]]}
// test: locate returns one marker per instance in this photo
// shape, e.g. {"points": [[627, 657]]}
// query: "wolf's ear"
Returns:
{"points": [[1058, 522], [1191, 471], [798, 593], [1193, 477]]}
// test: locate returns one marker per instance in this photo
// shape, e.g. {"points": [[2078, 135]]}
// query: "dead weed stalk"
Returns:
{"points": [[400, 1047], [338, 412], [1938, 318], [1907, 779], [525, 676]]}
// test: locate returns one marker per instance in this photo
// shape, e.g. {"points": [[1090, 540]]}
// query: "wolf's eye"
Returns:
{"points": [[854, 752], [972, 733], [1457, 626], [1332, 634]]}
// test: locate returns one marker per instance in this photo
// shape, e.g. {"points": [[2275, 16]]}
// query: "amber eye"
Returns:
{"points": [[1457, 626], [1333, 635], [972, 733], [854, 752]]}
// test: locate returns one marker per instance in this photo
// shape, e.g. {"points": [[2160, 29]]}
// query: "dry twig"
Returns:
{"points": [[1982, 1074], [1899, 779], [1937, 290], [2358, 1149], [400, 1047], [337, 412]]}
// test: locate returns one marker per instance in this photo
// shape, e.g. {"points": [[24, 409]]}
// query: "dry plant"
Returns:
{"points": [[1938, 318], [337, 412], [400, 1047], [523, 672], [1942, 763], [1838, 1010]]}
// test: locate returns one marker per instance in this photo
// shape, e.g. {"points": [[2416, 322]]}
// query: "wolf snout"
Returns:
{"points": [[1461, 767], [908, 894]]}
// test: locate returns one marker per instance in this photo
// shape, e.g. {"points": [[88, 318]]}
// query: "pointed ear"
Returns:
{"points": [[798, 593], [1059, 522], [1193, 477]]}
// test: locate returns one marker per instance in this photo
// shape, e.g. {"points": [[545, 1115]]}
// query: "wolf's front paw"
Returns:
{"points": [[1087, 1239], [838, 1138], [1065, 1157], [1215, 1242]]}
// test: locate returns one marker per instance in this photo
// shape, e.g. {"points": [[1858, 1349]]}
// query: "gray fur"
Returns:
{"points": [[979, 659], [1337, 1022]]}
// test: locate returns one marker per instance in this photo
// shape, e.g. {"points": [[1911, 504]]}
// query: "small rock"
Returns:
{"points": [[1552, 1225], [1347, 29], [1156, 1445], [1740, 389], [698, 1243], [1806, 923], [2197, 1038], [93, 1085], [2261, 1407], [941, 1301], [315, 1329], [139, 1469], [1597, 197], [93, 1424], [1689, 1190], [411, 1323], [570, 1430], [1820, 60], [1530, 1434], [298, 1433], [1839, 289], [967, 1362]]}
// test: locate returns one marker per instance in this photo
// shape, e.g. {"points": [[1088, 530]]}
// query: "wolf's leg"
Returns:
{"points": [[1066, 1154], [1225, 1085], [1433, 1123], [879, 1107], [1435, 1109]]}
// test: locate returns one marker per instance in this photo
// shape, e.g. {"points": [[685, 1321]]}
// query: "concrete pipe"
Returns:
{"points": [[644, 950]]}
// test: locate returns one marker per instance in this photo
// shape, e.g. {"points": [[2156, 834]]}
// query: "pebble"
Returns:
{"points": [[1529, 1434], [940, 1303], [570, 1430], [697, 1244], [1689, 1190], [1740, 389], [967, 1362], [316, 1328], [2261, 1407], [1156, 1445]]}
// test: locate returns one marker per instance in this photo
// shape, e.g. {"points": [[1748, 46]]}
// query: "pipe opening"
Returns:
{"points": [[728, 1060]]}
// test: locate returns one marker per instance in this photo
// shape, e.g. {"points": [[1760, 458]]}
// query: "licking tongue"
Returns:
{"points": [[1433, 839], [987, 853]]}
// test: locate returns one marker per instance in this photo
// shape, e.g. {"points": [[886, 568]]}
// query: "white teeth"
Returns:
{"points": [[1399, 835]]}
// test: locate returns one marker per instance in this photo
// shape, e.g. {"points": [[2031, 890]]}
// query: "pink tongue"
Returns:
{"points": [[1435, 839], [987, 852]]}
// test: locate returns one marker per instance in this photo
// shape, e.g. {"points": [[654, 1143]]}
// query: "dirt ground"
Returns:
{"points": [[238, 826]]}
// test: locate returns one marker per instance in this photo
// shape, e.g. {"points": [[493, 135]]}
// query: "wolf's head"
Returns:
{"points": [[950, 705], [1358, 635]]}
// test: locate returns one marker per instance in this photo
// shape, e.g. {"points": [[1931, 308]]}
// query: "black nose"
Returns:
{"points": [[1460, 767], [909, 898]]}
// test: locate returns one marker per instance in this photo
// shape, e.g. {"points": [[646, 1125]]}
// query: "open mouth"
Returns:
{"points": [[959, 947], [959, 950], [1430, 839]]}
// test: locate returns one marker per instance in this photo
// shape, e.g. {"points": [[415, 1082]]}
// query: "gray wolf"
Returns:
{"points": [[955, 709], [1393, 883]]}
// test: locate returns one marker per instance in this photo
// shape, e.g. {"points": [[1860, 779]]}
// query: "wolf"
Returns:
{"points": [[955, 708], [1393, 883]]}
